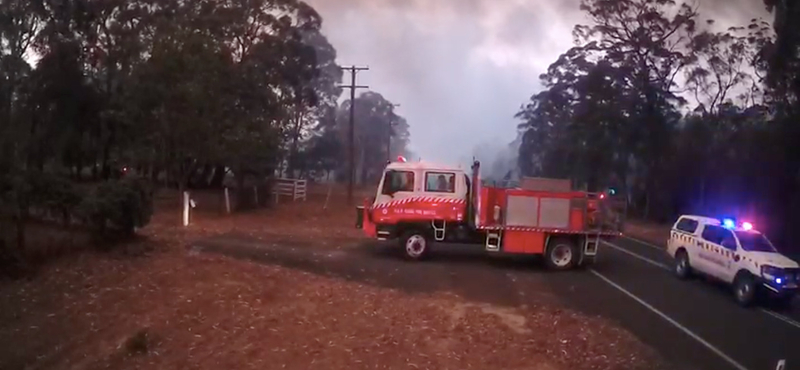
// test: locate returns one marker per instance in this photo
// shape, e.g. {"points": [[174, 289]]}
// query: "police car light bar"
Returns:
{"points": [[728, 223], [747, 226]]}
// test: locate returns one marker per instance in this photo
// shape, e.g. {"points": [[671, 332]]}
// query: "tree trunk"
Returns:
{"points": [[21, 223], [218, 178], [240, 190], [202, 179], [106, 167], [702, 207], [79, 167], [298, 119]]}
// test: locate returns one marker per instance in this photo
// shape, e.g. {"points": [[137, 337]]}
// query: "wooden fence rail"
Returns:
{"points": [[293, 188]]}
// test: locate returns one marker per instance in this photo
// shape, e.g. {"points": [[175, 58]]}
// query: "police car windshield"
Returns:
{"points": [[754, 242]]}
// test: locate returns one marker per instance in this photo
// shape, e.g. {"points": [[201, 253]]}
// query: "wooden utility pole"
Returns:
{"points": [[351, 160], [389, 137]]}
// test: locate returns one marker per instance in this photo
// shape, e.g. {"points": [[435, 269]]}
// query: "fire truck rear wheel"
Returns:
{"points": [[416, 245], [561, 254]]}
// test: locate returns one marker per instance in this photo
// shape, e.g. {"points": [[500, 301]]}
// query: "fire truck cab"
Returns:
{"points": [[403, 180], [421, 203], [422, 196]]}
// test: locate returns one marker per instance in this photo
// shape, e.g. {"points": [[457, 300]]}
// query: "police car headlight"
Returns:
{"points": [[771, 272]]}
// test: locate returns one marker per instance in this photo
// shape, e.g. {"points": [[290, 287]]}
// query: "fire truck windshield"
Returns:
{"points": [[755, 242]]}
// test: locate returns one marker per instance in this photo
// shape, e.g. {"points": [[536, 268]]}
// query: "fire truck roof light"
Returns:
{"points": [[401, 159], [747, 226]]}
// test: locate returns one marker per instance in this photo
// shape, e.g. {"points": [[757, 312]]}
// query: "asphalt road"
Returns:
{"points": [[722, 334], [694, 324]]}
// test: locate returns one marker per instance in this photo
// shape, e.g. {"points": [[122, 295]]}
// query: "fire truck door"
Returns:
{"points": [[396, 185]]}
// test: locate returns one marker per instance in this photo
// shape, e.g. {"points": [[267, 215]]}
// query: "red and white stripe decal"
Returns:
{"points": [[682, 236], [539, 229], [702, 244], [420, 200]]}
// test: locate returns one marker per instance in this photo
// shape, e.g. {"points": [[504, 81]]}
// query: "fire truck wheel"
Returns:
{"points": [[744, 289], [415, 245], [562, 254]]}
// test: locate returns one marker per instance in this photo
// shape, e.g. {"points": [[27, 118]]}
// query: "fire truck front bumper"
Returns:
{"points": [[364, 222]]}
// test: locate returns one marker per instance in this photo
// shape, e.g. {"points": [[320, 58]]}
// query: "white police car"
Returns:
{"points": [[737, 255]]}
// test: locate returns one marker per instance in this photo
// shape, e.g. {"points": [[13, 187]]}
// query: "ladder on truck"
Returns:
{"points": [[590, 245], [594, 236], [591, 241], [493, 239]]}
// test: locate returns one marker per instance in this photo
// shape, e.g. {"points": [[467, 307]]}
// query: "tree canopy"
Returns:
{"points": [[178, 92], [685, 119]]}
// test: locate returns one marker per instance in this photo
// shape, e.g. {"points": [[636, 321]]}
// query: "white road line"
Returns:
{"points": [[776, 315], [642, 242], [623, 250], [781, 317], [688, 332]]}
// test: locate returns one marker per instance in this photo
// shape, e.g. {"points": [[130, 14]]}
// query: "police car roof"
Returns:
{"points": [[421, 166], [703, 219], [714, 221]]}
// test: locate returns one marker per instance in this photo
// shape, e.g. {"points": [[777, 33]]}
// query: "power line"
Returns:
{"points": [[351, 165], [389, 136]]}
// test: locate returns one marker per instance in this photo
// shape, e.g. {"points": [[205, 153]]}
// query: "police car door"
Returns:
{"points": [[730, 249], [712, 252]]}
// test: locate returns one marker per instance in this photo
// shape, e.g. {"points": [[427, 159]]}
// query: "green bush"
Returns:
{"points": [[55, 194], [117, 207]]}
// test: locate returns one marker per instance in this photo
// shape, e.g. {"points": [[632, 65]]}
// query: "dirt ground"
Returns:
{"points": [[172, 308], [323, 220]]}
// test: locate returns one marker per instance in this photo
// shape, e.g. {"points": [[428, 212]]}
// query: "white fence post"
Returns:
{"points": [[227, 201], [186, 208]]}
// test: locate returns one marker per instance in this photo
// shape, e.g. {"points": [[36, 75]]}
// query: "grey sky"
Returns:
{"points": [[461, 68]]}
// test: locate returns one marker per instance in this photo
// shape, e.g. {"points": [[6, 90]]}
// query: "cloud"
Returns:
{"points": [[461, 68]]}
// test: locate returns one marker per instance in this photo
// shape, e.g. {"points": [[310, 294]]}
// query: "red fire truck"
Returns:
{"points": [[420, 204]]}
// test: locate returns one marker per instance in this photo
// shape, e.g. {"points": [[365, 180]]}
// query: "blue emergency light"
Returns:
{"points": [[728, 223]]}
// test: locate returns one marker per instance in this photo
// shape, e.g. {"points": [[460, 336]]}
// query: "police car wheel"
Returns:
{"points": [[415, 245], [744, 289], [683, 268]]}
